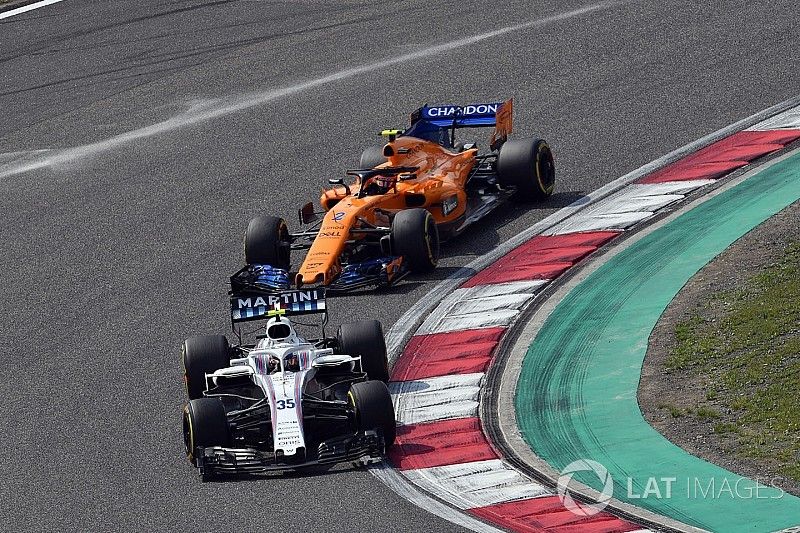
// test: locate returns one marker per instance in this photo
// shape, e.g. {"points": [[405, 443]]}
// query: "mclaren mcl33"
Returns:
{"points": [[387, 218]]}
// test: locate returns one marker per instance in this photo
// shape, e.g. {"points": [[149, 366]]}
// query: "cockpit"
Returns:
{"points": [[270, 362]]}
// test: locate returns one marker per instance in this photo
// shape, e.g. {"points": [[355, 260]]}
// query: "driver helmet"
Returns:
{"points": [[279, 329], [291, 362], [384, 182]]}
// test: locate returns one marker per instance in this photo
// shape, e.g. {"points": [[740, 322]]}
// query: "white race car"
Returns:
{"points": [[286, 402]]}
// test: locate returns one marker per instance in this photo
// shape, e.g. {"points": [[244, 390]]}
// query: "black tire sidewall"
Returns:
{"points": [[528, 165], [200, 356], [415, 237], [365, 339], [374, 408], [265, 241], [205, 424], [371, 157]]}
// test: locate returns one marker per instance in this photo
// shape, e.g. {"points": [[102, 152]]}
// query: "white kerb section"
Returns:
{"points": [[627, 207], [480, 307], [476, 484], [788, 120], [437, 398]]}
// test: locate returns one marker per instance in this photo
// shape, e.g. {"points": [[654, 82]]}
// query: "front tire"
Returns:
{"points": [[267, 242], [528, 165], [205, 424], [201, 356], [414, 236], [365, 339], [374, 409]]}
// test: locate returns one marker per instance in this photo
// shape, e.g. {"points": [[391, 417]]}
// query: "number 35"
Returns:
{"points": [[283, 404]]}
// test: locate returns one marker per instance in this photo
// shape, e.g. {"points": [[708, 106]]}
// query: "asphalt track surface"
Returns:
{"points": [[118, 238]]}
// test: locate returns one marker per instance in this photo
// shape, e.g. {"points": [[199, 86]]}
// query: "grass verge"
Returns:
{"points": [[747, 353]]}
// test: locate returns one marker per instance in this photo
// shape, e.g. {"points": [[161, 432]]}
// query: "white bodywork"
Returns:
{"points": [[279, 366]]}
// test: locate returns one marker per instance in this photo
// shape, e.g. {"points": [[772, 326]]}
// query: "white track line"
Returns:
{"points": [[29, 7], [219, 107]]}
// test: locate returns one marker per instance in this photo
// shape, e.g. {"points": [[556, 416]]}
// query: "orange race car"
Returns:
{"points": [[388, 218]]}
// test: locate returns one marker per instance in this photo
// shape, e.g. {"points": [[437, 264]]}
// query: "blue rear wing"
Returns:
{"points": [[468, 116]]}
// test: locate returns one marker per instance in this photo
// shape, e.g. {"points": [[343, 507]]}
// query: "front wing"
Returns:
{"points": [[363, 447]]}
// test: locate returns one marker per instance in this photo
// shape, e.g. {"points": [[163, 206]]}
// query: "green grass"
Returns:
{"points": [[706, 413], [749, 357]]}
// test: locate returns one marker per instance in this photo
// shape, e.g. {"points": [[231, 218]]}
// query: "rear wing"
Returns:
{"points": [[258, 289], [255, 306], [467, 116], [497, 114]]}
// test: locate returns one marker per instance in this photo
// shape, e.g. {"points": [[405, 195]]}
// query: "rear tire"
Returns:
{"points": [[365, 339], [528, 165], [374, 408], [205, 424], [372, 157], [201, 356], [415, 237], [267, 241]]}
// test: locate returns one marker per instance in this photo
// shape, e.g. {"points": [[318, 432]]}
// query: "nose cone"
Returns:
{"points": [[309, 277]]}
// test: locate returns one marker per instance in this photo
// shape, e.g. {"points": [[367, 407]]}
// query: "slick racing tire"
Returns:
{"points": [[201, 356], [372, 157], [267, 242], [373, 408], [365, 339], [205, 424], [415, 237], [527, 164]]}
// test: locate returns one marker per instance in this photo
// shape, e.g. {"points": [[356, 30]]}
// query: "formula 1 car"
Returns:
{"points": [[416, 189], [285, 402]]}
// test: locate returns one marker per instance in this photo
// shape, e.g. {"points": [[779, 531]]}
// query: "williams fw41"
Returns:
{"points": [[387, 218], [285, 402]]}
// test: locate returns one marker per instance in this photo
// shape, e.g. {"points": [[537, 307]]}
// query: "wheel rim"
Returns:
{"points": [[431, 240], [351, 399], [545, 169], [188, 434], [283, 251]]}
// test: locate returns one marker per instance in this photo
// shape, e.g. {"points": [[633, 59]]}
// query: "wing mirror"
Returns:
{"points": [[340, 181], [307, 214]]}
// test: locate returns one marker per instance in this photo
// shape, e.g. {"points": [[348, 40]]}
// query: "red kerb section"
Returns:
{"points": [[445, 354], [542, 257], [444, 442], [548, 515], [722, 157]]}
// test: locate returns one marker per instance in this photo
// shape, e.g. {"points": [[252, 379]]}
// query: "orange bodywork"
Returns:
{"points": [[437, 185]]}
